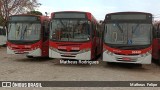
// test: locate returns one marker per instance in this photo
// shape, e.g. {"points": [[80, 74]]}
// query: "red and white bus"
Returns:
{"points": [[128, 37], [74, 35], [156, 41], [28, 34]]}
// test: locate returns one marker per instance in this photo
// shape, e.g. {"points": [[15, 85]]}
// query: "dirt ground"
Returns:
{"points": [[21, 68]]}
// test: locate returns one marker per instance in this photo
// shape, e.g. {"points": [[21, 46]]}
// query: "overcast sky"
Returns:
{"points": [[99, 8]]}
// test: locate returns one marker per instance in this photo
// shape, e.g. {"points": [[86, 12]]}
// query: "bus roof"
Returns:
{"points": [[30, 15], [71, 11], [129, 12], [75, 12], [130, 15], [26, 15], [41, 16]]}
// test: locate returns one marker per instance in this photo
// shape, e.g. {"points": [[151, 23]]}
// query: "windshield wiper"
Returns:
{"points": [[18, 29], [119, 27], [132, 47], [22, 36], [62, 24], [134, 30]]}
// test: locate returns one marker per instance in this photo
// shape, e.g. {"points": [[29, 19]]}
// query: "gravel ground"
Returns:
{"points": [[20, 68]]}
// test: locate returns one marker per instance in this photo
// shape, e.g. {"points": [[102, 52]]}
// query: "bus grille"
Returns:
{"points": [[127, 54], [59, 44], [64, 50], [131, 59], [22, 49], [67, 56]]}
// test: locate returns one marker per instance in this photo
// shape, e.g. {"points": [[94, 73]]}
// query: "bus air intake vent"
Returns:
{"points": [[126, 54]]}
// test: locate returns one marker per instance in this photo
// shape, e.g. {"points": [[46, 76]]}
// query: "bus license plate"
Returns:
{"points": [[126, 59]]}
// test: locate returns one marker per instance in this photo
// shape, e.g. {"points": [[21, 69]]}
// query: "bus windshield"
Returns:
{"points": [[24, 31], [128, 34], [69, 30], [2, 31]]}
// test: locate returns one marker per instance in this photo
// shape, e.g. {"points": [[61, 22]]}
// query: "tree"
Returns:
{"points": [[1, 21], [35, 12], [12, 7]]}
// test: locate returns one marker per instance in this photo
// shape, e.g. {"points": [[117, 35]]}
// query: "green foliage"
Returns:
{"points": [[2, 21], [35, 12]]}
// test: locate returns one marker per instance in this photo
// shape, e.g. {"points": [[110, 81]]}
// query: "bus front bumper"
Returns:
{"points": [[137, 59], [77, 56]]}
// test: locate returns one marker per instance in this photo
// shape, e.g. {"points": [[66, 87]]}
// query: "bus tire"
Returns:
{"points": [[96, 55], [138, 65], [29, 56], [158, 60], [109, 63]]}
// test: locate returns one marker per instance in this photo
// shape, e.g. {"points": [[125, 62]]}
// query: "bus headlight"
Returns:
{"points": [[143, 55], [104, 49], [146, 54], [54, 49], [108, 52], [85, 50]]}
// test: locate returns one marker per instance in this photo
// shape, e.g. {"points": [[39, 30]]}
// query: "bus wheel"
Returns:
{"points": [[96, 56], [158, 61], [29, 56], [138, 65], [109, 63]]}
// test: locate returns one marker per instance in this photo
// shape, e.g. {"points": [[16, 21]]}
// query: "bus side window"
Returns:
{"points": [[158, 31], [97, 32], [46, 30], [154, 31], [3, 32], [105, 28], [0, 31], [93, 30]]}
